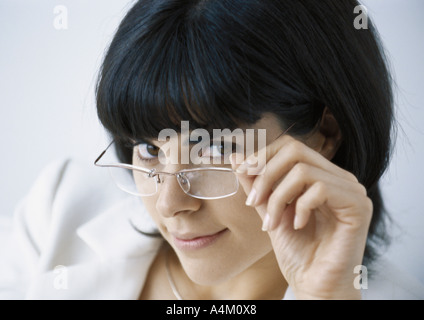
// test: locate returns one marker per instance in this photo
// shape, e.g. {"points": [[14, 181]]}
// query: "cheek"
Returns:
{"points": [[241, 250], [245, 245], [246, 228], [239, 218]]}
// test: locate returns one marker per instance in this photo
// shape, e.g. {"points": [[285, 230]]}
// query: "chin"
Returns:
{"points": [[212, 270], [208, 276]]}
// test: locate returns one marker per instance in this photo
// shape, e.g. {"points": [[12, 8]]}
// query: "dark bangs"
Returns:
{"points": [[160, 70], [172, 60]]}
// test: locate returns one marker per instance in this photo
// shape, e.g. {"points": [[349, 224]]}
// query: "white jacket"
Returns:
{"points": [[72, 239]]}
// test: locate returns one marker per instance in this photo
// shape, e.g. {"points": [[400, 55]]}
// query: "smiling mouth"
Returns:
{"points": [[189, 242]]}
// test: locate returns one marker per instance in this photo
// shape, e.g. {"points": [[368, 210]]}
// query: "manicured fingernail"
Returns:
{"points": [[251, 198], [265, 224], [296, 222]]}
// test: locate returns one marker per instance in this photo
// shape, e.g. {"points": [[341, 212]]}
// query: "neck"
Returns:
{"points": [[261, 281]]}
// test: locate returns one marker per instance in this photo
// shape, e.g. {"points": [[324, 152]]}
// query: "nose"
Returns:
{"points": [[172, 200]]}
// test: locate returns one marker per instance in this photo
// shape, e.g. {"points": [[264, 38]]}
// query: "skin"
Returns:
{"points": [[319, 216]]}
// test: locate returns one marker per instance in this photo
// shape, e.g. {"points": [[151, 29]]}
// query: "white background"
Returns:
{"points": [[47, 79]]}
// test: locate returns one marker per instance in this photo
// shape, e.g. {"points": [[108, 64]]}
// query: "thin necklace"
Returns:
{"points": [[170, 279]]}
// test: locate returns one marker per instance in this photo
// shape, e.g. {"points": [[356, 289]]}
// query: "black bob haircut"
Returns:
{"points": [[222, 63]]}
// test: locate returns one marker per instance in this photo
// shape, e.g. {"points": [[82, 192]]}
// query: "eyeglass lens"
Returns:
{"points": [[202, 183]]}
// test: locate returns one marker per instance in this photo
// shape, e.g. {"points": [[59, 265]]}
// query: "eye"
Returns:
{"points": [[216, 150], [147, 151], [213, 151]]}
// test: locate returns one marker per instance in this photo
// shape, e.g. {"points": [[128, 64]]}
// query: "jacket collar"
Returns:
{"points": [[119, 266], [113, 234]]}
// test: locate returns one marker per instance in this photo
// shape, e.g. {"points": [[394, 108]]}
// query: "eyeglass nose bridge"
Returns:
{"points": [[181, 178]]}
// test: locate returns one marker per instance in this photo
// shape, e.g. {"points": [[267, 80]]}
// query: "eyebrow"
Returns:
{"points": [[152, 142], [184, 143]]}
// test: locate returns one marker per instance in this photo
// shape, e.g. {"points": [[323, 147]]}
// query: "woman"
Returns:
{"points": [[300, 226], [225, 64]]}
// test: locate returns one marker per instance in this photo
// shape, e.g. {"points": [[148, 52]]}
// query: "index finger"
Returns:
{"points": [[282, 154]]}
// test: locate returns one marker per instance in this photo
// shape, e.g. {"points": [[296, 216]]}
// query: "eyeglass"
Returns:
{"points": [[202, 183]]}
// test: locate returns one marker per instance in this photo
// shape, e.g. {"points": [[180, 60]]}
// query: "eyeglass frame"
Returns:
{"points": [[153, 173]]}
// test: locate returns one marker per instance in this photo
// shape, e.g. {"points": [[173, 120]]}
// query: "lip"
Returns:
{"points": [[195, 242]]}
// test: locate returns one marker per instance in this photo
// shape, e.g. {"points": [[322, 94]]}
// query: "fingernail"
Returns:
{"points": [[265, 224], [251, 198], [296, 222]]}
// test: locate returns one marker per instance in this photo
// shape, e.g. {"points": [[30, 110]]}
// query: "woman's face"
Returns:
{"points": [[215, 240]]}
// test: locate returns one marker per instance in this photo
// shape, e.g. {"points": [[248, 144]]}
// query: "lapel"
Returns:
{"points": [[119, 261]]}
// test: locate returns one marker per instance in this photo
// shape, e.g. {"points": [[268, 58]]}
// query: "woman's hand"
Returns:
{"points": [[317, 216]]}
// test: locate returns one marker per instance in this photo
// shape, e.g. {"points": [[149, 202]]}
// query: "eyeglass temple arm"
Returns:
{"points": [[287, 130], [101, 155], [119, 165]]}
